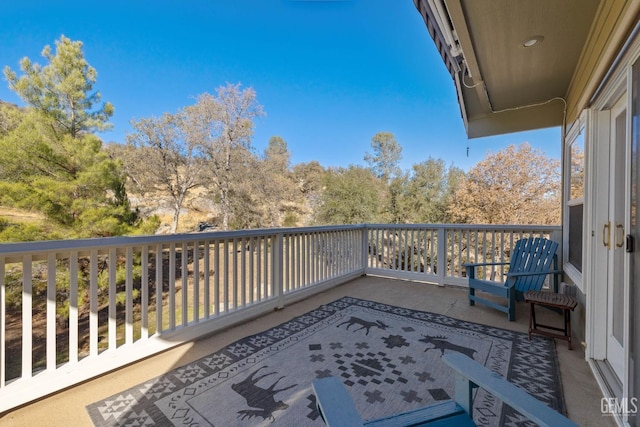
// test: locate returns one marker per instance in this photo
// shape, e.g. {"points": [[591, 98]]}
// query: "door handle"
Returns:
{"points": [[619, 228], [606, 235]]}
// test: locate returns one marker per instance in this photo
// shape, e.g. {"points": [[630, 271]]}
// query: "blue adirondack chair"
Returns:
{"points": [[531, 261], [338, 410]]}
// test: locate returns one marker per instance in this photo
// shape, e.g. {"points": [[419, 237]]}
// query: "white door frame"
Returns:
{"points": [[617, 81], [619, 195], [597, 214]]}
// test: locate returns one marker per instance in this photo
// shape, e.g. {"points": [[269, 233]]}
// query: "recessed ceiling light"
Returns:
{"points": [[532, 41]]}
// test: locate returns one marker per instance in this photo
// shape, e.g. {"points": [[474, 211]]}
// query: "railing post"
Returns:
{"points": [[278, 250], [365, 248], [442, 255]]}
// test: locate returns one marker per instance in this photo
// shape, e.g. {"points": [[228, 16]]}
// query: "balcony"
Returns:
{"points": [[206, 290]]}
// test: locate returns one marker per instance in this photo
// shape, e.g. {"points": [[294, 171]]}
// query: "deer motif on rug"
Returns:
{"points": [[364, 324], [441, 343], [258, 397]]}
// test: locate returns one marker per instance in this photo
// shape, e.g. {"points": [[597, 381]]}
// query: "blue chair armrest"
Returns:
{"points": [[337, 410], [481, 264], [334, 403], [470, 374], [533, 273]]}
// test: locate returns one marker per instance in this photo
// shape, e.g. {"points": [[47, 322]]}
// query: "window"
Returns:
{"points": [[574, 197], [576, 164]]}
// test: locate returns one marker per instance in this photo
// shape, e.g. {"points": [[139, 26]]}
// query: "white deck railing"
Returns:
{"points": [[71, 310], [436, 253]]}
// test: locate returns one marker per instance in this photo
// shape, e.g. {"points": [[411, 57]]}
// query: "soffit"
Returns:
{"points": [[500, 74]]}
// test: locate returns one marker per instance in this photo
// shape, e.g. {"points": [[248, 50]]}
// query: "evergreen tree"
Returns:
{"points": [[62, 90], [350, 196], [50, 160]]}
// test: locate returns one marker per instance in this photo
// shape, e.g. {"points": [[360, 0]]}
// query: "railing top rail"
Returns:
{"points": [[13, 249], [505, 227]]}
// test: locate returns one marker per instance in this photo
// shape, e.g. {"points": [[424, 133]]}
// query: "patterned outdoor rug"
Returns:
{"points": [[388, 357]]}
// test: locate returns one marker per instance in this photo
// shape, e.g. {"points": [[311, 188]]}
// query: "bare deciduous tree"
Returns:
{"points": [[163, 156], [223, 125]]}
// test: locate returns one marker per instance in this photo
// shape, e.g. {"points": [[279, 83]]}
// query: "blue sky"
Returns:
{"points": [[329, 74]]}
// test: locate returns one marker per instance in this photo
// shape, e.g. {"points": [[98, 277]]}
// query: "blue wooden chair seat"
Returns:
{"points": [[532, 260], [338, 410]]}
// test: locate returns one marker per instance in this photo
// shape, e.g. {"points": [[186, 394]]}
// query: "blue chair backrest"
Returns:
{"points": [[532, 255]]}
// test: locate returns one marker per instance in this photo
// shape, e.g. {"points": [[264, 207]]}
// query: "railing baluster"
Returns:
{"points": [[252, 283], [196, 281], [73, 307], [27, 313], [493, 250], [313, 257], [460, 245], [268, 285], [328, 256], [243, 272], [129, 297], [225, 279], [306, 254], [144, 290], [277, 253], [3, 322], [313, 241], [428, 251], [207, 280], [216, 279], [112, 299], [259, 285], [297, 264], [320, 256], [451, 244], [93, 303], [235, 272], [325, 259], [159, 288], [51, 312], [405, 241], [184, 276], [172, 286]]}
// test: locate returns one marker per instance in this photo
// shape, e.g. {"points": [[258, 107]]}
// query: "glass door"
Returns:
{"points": [[614, 238]]}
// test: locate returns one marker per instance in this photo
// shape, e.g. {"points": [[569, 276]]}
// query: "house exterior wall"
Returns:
{"points": [[599, 61], [612, 25], [622, 78]]}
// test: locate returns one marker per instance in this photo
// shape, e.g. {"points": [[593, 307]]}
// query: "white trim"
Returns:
{"points": [[574, 274], [588, 236], [599, 190], [579, 127]]}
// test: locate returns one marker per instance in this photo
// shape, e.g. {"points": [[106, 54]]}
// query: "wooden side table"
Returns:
{"points": [[554, 300]]}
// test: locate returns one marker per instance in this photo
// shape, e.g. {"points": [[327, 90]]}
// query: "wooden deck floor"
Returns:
{"points": [[581, 391]]}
